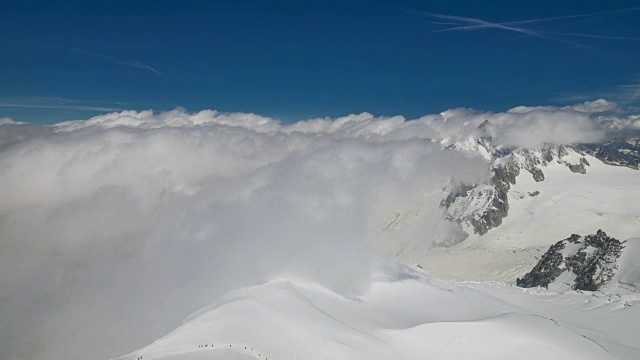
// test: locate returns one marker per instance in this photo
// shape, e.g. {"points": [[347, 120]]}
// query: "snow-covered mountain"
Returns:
{"points": [[533, 199], [483, 206]]}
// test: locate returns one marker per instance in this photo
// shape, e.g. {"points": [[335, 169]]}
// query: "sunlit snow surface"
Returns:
{"points": [[406, 314]]}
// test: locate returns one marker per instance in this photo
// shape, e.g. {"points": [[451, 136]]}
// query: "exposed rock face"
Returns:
{"points": [[532, 161], [503, 178], [484, 206], [476, 205], [585, 263], [548, 268], [623, 150], [580, 167]]}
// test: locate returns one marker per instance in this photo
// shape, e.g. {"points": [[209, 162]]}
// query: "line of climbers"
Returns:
{"points": [[207, 345]]}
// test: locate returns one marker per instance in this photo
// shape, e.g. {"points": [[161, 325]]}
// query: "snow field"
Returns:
{"points": [[406, 314]]}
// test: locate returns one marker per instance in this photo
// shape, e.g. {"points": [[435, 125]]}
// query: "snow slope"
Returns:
{"points": [[569, 203], [404, 315], [607, 319], [628, 275]]}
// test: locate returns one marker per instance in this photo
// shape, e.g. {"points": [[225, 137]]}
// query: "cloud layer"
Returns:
{"points": [[115, 228]]}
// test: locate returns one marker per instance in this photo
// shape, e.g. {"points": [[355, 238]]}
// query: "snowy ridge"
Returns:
{"points": [[404, 315]]}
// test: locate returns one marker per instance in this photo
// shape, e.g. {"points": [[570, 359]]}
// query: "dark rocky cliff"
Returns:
{"points": [[589, 261]]}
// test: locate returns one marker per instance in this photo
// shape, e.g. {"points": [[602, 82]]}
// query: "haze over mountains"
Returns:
{"points": [[356, 237]]}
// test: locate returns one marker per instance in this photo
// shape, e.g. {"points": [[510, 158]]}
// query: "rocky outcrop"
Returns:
{"points": [[531, 161], [548, 268], [585, 263], [580, 167]]}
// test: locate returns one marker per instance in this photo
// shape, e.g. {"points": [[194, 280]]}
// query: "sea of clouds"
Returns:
{"points": [[114, 229]]}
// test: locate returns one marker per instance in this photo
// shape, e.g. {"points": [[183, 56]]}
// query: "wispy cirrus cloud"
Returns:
{"points": [[47, 102], [108, 58], [135, 64]]}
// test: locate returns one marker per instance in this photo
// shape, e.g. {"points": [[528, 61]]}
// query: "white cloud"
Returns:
{"points": [[590, 107], [12, 131], [175, 118], [593, 107], [135, 226], [6, 120], [114, 229], [535, 127], [634, 121], [626, 94]]}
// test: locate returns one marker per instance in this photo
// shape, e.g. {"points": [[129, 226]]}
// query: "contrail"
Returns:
{"points": [[139, 65], [121, 62], [468, 24], [464, 20], [49, 102], [598, 36], [482, 24], [55, 106]]}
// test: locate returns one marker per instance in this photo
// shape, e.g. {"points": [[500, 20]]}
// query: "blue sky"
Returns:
{"points": [[296, 60]]}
